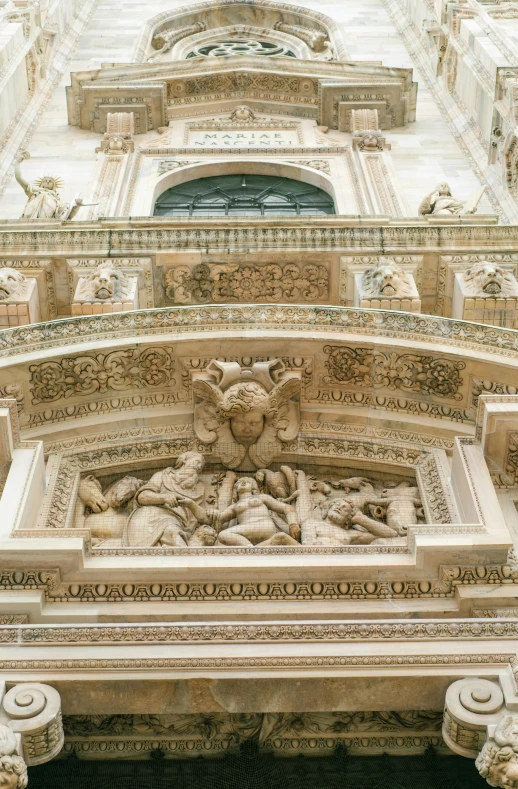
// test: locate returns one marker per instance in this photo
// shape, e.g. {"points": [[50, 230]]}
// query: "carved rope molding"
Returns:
{"points": [[291, 318]]}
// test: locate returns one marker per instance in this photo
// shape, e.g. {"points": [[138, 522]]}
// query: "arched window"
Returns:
{"points": [[243, 195]]}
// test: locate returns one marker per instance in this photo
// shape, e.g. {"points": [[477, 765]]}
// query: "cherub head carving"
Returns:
{"points": [[246, 413], [12, 283], [489, 279], [104, 283], [243, 114], [13, 770], [386, 280], [497, 762]]}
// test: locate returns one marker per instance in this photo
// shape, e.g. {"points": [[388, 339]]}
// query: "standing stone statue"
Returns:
{"points": [[43, 200]]}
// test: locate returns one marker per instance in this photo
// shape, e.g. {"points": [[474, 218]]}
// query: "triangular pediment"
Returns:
{"points": [[324, 91]]}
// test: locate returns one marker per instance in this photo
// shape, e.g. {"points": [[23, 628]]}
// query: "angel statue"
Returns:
{"points": [[246, 413], [43, 200], [441, 202]]}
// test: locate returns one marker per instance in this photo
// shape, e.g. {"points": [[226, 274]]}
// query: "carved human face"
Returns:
{"points": [[123, 491], [246, 486], [443, 189], [48, 183], [340, 512], [247, 428], [8, 780], [242, 113], [505, 774]]}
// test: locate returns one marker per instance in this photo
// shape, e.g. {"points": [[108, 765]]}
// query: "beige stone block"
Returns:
{"points": [[385, 304], [490, 304], [87, 309], [97, 309], [107, 308], [11, 309], [117, 306], [76, 309], [406, 305], [127, 306], [479, 304], [501, 304], [3, 309], [469, 304]]}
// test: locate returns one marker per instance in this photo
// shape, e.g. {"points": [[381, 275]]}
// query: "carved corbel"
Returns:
{"points": [[477, 724], [31, 730]]}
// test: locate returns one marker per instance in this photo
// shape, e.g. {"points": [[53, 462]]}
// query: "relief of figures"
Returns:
{"points": [[181, 506]]}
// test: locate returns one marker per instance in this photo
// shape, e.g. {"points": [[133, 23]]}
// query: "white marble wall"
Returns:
{"points": [[424, 153]]}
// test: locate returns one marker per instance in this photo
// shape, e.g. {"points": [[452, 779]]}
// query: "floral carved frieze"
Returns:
{"points": [[243, 282], [192, 733], [408, 372], [87, 374]]}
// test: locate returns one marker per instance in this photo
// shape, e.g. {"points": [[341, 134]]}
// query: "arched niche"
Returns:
{"points": [[216, 15], [245, 167]]}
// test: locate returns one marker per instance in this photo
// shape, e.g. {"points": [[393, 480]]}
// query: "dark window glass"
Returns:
{"points": [[243, 195]]}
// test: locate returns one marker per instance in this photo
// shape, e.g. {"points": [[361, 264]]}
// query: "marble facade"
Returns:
{"points": [[258, 471]]}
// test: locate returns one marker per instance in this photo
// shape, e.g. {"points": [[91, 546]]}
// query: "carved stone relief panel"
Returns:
{"points": [[245, 282], [166, 493], [303, 732], [181, 506], [407, 372], [90, 373]]}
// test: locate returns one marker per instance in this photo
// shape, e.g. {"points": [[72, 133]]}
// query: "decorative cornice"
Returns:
{"points": [[281, 632], [287, 318], [124, 591], [245, 662]]}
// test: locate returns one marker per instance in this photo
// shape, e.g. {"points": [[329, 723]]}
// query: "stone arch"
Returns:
{"points": [[219, 14], [246, 167]]}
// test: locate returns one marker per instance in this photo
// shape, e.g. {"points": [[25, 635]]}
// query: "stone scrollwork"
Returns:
{"points": [[477, 724], [408, 372], [244, 282], [246, 413], [31, 730], [89, 373]]}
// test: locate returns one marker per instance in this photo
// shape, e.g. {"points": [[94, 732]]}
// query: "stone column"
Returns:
{"points": [[31, 731], [481, 722]]}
